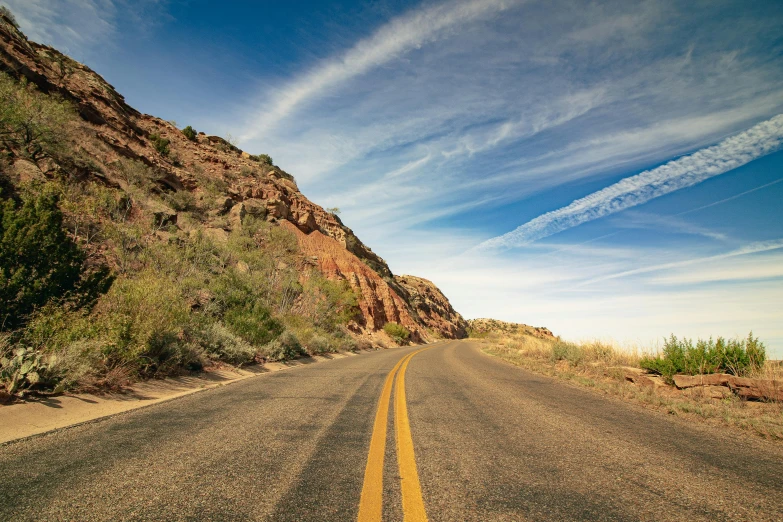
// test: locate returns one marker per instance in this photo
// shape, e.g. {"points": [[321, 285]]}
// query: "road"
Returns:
{"points": [[477, 439]]}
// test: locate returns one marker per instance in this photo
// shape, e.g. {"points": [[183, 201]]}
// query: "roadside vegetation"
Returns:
{"points": [[741, 357], [398, 333], [106, 283], [645, 378]]}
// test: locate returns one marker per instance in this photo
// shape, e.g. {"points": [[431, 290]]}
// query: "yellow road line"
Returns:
{"points": [[371, 503], [412, 500]]}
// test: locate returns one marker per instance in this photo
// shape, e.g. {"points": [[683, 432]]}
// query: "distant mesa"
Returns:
{"points": [[485, 326]]}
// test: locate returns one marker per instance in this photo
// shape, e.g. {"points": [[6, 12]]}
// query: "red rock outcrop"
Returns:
{"points": [[113, 130], [432, 307]]}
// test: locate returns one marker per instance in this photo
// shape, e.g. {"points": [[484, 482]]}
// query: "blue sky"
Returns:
{"points": [[609, 170]]}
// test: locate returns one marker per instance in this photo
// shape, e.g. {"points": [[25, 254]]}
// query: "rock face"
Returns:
{"points": [[432, 307], [112, 130]]}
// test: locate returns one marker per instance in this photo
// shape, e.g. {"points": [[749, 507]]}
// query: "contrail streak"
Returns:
{"points": [[760, 140]]}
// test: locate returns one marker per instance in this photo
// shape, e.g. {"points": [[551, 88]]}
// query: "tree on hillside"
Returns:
{"points": [[32, 124], [39, 263]]}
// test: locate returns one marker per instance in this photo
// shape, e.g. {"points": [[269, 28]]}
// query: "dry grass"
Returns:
{"points": [[603, 367]]}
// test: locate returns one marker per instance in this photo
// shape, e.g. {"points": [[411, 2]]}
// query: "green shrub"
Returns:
{"points": [[397, 332], [262, 158], [220, 344], [190, 133], [142, 321], [39, 263], [328, 304], [285, 347], [160, 144], [253, 323], [346, 343], [320, 343], [31, 123], [734, 356], [137, 175]]}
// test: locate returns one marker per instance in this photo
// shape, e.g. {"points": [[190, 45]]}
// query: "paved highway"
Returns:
{"points": [[443, 432]]}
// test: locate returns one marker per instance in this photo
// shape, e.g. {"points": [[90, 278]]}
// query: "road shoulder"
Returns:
{"points": [[39, 415]]}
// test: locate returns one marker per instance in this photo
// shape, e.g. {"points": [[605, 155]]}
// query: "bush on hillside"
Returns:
{"points": [[285, 347], [39, 263], [190, 133], [160, 144], [565, 351], [328, 304], [32, 124], [397, 332], [137, 174], [734, 356], [181, 200], [220, 344], [253, 323], [262, 158]]}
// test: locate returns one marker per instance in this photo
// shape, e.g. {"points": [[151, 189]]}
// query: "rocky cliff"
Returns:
{"points": [[432, 307], [110, 130]]}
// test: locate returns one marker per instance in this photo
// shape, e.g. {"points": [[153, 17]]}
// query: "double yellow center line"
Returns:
{"points": [[371, 503]]}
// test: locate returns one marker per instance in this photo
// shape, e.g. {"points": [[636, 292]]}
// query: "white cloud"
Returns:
{"points": [[760, 140], [390, 41]]}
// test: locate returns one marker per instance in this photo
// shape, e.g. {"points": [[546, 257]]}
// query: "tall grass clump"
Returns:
{"points": [[739, 357]]}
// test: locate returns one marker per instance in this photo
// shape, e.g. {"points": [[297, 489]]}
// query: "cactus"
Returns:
{"points": [[21, 370]]}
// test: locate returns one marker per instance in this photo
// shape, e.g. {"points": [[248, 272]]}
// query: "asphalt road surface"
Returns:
{"points": [[472, 438]]}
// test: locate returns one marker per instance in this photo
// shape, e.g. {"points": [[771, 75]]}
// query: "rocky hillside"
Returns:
{"points": [[432, 307], [484, 326], [235, 185]]}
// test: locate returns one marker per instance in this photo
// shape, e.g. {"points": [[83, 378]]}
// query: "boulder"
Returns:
{"points": [[224, 204], [237, 214], [306, 222], [717, 392], [277, 209], [216, 234], [757, 389], [689, 381], [255, 208]]}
